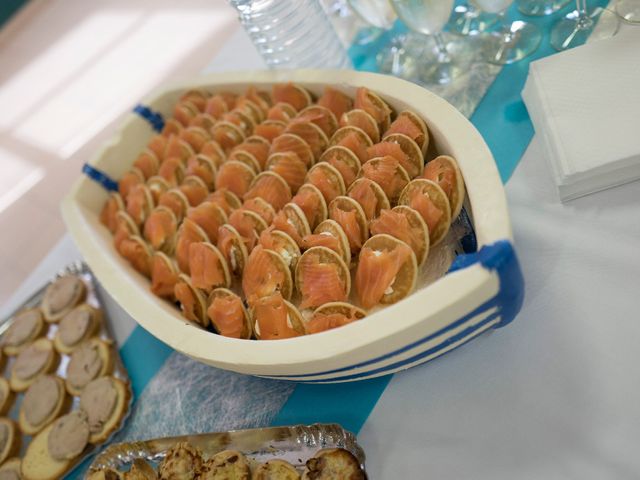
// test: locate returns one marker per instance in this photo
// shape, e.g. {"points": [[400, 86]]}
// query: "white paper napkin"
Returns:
{"points": [[585, 105]]}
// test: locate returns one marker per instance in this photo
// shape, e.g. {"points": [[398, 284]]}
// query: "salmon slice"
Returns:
{"points": [[196, 137], [214, 151], [259, 150], [411, 125], [227, 314], [248, 226], [227, 135], [137, 254], [363, 193], [270, 129], [289, 142], [125, 227], [163, 277], [321, 117], [282, 112], [196, 192], [310, 133], [289, 166], [384, 149], [175, 201], [189, 233], [377, 109], [225, 199], [349, 223], [260, 98], [160, 228], [128, 181], [206, 267], [426, 208], [108, 214], [364, 121], [192, 303], [348, 172], [397, 225], [312, 205], [385, 172], [216, 106], [204, 121], [324, 239], [292, 94], [322, 322], [232, 248], [148, 163], [241, 119], [197, 98], [376, 272], [139, 203], [272, 318], [184, 112], [262, 276], [336, 101], [209, 216], [353, 143], [284, 224], [272, 188], [262, 208], [441, 172], [321, 282], [157, 145], [176, 147], [172, 170], [202, 167], [328, 180], [235, 177], [171, 128]]}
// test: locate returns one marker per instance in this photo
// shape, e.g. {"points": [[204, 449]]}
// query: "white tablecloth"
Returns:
{"points": [[556, 394]]}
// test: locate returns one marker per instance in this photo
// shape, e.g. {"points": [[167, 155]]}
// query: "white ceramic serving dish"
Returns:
{"points": [[485, 291]]}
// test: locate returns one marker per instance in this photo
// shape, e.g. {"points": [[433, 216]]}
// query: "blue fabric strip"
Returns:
{"points": [[99, 176], [155, 119]]}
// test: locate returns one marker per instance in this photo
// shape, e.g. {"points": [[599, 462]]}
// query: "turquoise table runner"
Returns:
{"points": [[504, 123]]}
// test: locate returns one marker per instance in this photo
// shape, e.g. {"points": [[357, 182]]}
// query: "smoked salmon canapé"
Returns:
{"points": [[387, 271], [430, 201], [444, 171], [333, 315], [282, 210], [322, 276], [227, 314]]}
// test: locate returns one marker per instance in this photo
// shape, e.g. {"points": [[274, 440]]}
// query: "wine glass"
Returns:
{"points": [[467, 19], [511, 42], [377, 14], [629, 10], [538, 8], [428, 18], [577, 26]]}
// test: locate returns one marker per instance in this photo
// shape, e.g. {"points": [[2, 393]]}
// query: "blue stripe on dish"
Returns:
{"points": [[99, 176], [155, 119]]}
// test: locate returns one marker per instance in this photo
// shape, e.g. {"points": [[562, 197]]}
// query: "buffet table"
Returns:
{"points": [[554, 395]]}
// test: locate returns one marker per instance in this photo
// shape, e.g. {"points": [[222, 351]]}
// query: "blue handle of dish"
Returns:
{"points": [[100, 177], [155, 119]]}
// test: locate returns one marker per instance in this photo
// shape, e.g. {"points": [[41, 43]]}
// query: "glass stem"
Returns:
{"points": [[443, 55], [584, 21]]}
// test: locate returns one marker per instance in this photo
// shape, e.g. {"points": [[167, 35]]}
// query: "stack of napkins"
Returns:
{"points": [[585, 107]]}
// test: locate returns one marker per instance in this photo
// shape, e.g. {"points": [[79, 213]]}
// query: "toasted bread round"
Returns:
{"points": [[333, 463], [12, 439], [193, 304], [261, 207], [275, 469], [443, 163], [383, 106], [7, 397], [335, 186], [228, 202], [290, 142], [348, 204], [318, 214], [415, 158], [310, 133], [37, 359], [382, 201], [157, 185], [416, 221], [203, 167], [214, 151], [181, 461], [405, 280], [126, 225], [112, 206], [40, 463], [421, 140], [253, 110], [247, 158], [246, 330], [363, 120], [326, 120], [44, 401], [342, 308], [437, 196], [171, 127], [26, 326], [92, 359], [294, 319], [104, 420], [78, 325], [233, 249], [175, 200], [297, 219], [243, 120], [333, 228], [231, 134], [315, 256], [61, 296]]}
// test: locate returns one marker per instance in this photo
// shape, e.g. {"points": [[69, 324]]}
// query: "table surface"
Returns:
{"points": [[555, 394]]}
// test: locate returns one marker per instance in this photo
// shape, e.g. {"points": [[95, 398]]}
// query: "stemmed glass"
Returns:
{"points": [[428, 18], [629, 10], [467, 19], [577, 26], [377, 14], [538, 8], [511, 42]]}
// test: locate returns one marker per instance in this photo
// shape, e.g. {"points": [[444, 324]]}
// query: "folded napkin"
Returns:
{"points": [[585, 106]]}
